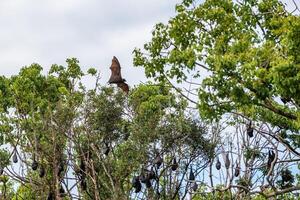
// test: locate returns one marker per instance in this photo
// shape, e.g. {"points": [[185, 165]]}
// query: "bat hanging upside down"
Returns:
{"points": [[116, 77]]}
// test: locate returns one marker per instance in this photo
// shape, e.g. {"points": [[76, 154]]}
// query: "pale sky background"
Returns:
{"points": [[93, 31]]}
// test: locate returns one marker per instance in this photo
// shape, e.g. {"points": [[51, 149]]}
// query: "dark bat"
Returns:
{"points": [[136, 184], [51, 196], [34, 165], [285, 100], [174, 165], [192, 175], [61, 168], [148, 183], [218, 164], [15, 157], [270, 158], [158, 160], [237, 170], [42, 172], [62, 191], [194, 187], [83, 184], [106, 149], [250, 130], [227, 161], [152, 174], [116, 77], [145, 178], [138, 188], [135, 181], [287, 176]]}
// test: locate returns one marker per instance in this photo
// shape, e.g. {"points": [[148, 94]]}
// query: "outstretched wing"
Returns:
{"points": [[124, 87], [115, 68]]}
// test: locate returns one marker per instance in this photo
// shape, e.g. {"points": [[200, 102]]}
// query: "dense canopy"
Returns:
{"points": [[220, 120]]}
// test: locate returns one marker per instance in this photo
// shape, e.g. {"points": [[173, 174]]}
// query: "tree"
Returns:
{"points": [[66, 141], [246, 53], [243, 60]]}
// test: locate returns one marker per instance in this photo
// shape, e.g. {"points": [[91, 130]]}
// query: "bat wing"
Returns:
{"points": [[115, 68]]}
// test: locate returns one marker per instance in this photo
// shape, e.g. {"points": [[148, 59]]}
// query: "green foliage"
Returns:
{"points": [[92, 71], [6, 187], [99, 137], [287, 179], [33, 107], [4, 158], [247, 52], [25, 192], [243, 60], [251, 153], [216, 195]]}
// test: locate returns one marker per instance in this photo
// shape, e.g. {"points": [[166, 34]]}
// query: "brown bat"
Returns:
{"points": [[124, 87], [115, 77]]}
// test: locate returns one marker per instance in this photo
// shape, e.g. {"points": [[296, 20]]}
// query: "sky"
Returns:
{"points": [[93, 31]]}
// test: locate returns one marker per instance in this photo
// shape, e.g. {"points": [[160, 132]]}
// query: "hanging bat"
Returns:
{"points": [[34, 165], [145, 178], [136, 184], [287, 175], [192, 175], [62, 191], [285, 100], [42, 172], [83, 184], [227, 161], [61, 168], [15, 157], [152, 174], [135, 181], [250, 130], [158, 161], [174, 165], [51, 196], [194, 187], [237, 170], [271, 157], [106, 149], [148, 183], [218, 164], [116, 77]]}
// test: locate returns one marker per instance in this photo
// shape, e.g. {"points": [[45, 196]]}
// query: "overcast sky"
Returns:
{"points": [[49, 31], [93, 31]]}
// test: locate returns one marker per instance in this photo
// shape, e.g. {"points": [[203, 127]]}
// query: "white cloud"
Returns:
{"points": [[50, 31]]}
